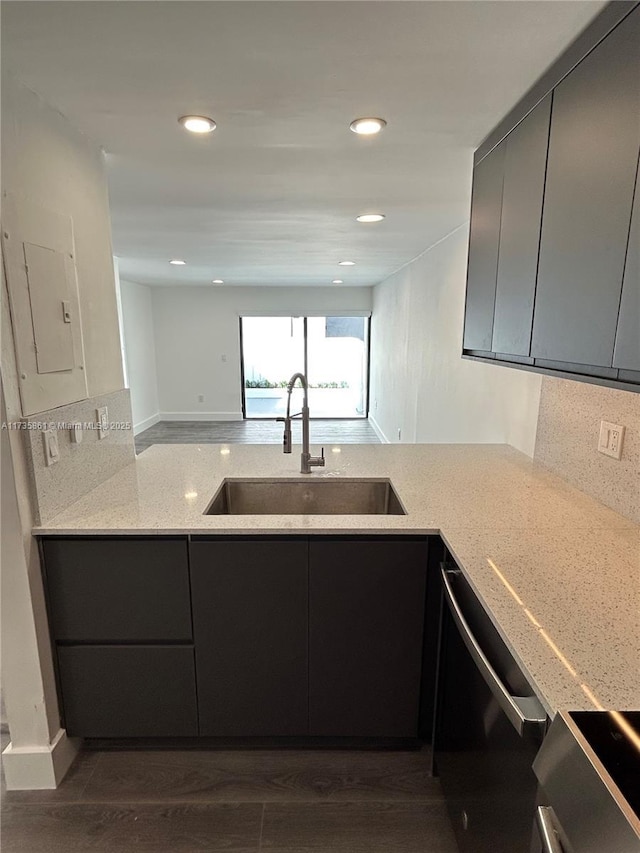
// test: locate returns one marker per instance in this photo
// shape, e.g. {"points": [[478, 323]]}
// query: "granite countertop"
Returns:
{"points": [[558, 571]]}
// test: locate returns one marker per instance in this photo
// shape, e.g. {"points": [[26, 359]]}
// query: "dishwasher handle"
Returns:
{"points": [[547, 831], [525, 713]]}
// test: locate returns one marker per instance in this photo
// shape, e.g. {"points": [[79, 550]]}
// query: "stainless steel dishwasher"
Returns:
{"points": [[488, 728]]}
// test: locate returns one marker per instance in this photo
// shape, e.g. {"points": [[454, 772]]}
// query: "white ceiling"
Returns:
{"points": [[270, 198]]}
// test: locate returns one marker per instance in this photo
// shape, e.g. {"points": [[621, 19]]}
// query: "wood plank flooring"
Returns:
{"points": [[239, 801], [356, 431]]}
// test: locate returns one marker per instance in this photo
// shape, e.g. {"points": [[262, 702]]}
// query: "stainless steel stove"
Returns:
{"points": [[589, 773]]}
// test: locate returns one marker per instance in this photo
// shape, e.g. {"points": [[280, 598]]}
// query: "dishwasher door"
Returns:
{"points": [[488, 728]]}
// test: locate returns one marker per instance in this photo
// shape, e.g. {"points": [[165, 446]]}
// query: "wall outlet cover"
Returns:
{"points": [[611, 439]]}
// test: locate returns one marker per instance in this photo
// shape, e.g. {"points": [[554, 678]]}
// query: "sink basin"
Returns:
{"points": [[305, 497]]}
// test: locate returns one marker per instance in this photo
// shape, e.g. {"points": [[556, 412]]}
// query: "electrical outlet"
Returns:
{"points": [[223, 357], [611, 439], [51, 449], [201, 398], [102, 416]]}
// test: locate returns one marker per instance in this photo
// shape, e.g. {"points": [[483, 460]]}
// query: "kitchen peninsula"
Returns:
{"points": [[557, 571]]}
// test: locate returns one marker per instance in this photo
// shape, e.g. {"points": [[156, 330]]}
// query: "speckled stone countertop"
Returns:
{"points": [[558, 571]]}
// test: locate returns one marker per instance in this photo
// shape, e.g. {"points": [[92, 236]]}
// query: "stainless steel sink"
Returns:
{"points": [[342, 496]]}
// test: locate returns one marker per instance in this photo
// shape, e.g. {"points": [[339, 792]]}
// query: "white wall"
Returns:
{"points": [[140, 353], [419, 383], [45, 159], [197, 327]]}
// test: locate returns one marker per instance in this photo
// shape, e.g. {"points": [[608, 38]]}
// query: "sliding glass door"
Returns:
{"points": [[332, 351]]}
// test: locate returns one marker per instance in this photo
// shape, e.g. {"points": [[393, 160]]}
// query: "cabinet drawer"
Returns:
{"points": [[128, 691], [117, 589]]}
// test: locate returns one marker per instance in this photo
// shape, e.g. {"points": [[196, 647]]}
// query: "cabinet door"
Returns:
{"points": [[250, 621], [593, 154], [128, 691], [118, 589], [627, 351], [366, 614], [524, 171], [486, 201]]}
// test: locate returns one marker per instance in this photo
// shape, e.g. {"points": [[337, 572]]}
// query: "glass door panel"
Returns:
{"points": [[337, 358], [272, 351]]}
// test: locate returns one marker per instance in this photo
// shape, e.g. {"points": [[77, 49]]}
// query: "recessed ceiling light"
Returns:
{"points": [[197, 124], [217, 281], [346, 263], [367, 126], [370, 217], [337, 281], [177, 262]]}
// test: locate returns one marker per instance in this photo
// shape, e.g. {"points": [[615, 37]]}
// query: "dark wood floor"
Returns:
{"points": [[357, 431], [238, 801]]}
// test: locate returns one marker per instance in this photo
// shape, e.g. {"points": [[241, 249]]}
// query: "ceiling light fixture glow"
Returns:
{"points": [[337, 281], [367, 126], [370, 217], [346, 263], [197, 124], [177, 262], [217, 281]]}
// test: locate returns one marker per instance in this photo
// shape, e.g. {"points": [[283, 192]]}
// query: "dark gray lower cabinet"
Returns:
{"points": [[128, 691], [366, 613], [125, 589], [250, 602], [253, 636]]}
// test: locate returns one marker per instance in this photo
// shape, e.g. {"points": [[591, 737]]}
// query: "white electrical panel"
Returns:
{"points": [[48, 289], [39, 260]]}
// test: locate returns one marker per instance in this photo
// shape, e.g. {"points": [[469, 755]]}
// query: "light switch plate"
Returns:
{"points": [[102, 415], [75, 433], [611, 439], [51, 449]]}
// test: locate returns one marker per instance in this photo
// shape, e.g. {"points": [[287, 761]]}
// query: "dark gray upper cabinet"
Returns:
{"points": [[486, 202], [627, 350], [522, 193], [593, 156], [250, 622]]}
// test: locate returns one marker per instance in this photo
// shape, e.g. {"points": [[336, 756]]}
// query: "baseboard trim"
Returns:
{"points": [[378, 431], [36, 768], [200, 416], [146, 423]]}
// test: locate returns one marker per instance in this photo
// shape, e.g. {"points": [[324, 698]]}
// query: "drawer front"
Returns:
{"points": [[128, 691], [118, 590]]}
